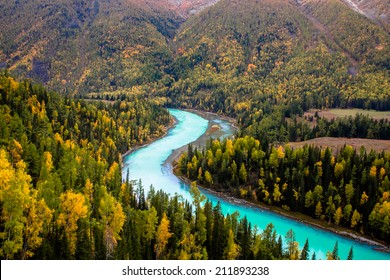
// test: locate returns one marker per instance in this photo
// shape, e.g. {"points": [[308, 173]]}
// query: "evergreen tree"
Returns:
{"points": [[335, 253], [350, 254], [292, 245], [219, 238], [305, 251], [208, 212]]}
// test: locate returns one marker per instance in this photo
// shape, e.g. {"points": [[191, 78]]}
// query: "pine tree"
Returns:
{"points": [[335, 253], [208, 212], [244, 237], [219, 238], [350, 254], [279, 248], [305, 251]]}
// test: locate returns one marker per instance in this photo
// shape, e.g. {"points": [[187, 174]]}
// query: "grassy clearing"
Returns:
{"points": [[354, 111], [339, 113], [336, 143]]}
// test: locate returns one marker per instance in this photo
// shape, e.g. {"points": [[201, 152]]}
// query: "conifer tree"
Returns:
{"points": [[350, 254], [305, 251]]}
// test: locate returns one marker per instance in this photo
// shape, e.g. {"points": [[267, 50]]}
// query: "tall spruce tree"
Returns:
{"points": [[305, 251]]}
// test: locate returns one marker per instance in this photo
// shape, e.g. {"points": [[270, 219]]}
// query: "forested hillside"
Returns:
{"points": [[377, 10], [318, 53], [61, 168], [62, 194], [350, 188], [263, 61], [267, 63], [87, 46]]}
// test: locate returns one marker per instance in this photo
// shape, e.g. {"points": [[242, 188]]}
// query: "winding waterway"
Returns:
{"points": [[151, 166]]}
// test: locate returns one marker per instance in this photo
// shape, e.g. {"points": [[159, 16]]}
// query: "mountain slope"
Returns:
{"points": [[374, 9], [352, 32], [262, 61], [187, 8], [136, 47], [78, 45]]}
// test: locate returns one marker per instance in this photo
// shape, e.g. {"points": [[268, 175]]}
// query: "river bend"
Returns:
{"points": [[150, 164]]}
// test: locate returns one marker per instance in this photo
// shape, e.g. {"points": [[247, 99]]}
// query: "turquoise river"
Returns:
{"points": [[149, 164]]}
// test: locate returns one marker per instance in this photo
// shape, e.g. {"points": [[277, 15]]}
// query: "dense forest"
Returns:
{"points": [[263, 62], [350, 188], [57, 156], [62, 194], [87, 46]]}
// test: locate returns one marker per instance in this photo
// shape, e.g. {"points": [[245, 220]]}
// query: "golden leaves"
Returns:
{"points": [[373, 171], [23, 216], [162, 237], [113, 219], [72, 208]]}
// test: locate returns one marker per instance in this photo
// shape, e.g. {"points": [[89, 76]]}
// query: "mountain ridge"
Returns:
{"points": [[106, 46]]}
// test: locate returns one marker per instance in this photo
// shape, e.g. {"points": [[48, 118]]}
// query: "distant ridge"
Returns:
{"points": [[101, 46]]}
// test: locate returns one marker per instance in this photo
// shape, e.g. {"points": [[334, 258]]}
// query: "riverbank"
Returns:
{"points": [[214, 130], [298, 217], [213, 116], [154, 173], [171, 125]]}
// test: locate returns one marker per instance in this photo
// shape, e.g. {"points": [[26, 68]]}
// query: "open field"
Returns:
{"points": [[335, 113], [336, 143]]}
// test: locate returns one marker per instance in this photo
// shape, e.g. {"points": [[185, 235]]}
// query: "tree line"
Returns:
{"points": [[61, 168], [62, 195], [349, 188]]}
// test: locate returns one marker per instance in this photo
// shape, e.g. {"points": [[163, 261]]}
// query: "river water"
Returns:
{"points": [[149, 164]]}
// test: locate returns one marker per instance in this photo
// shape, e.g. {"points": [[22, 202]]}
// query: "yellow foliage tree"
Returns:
{"points": [[208, 178], [113, 219], [38, 216], [162, 237], [382, 173], [373, 171], [277, 194], [318, 211], [73, 208], [189, 249], [232, 249], [23, 216], [338, 215], [229, 148], [364, 198], [280, 152], [356, 217], [338, 169]]}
